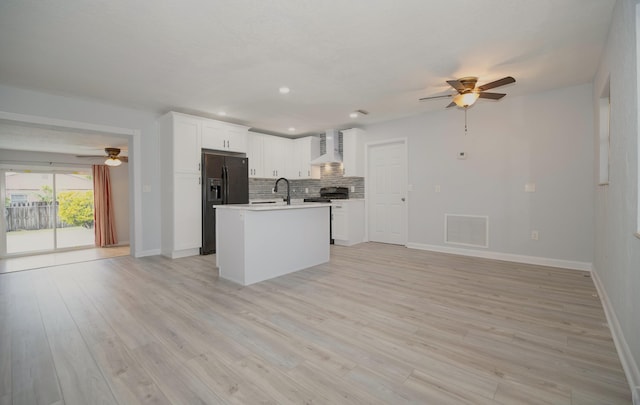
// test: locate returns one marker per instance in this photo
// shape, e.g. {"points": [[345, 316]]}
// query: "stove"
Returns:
{"points": [[330, 193], [326, 195]]}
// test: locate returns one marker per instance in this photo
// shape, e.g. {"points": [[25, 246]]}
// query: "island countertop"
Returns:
{"points": [[271, 206]]}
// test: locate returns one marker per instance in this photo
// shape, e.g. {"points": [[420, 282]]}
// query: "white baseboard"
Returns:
{"points": [[626, 358], [540, 261], [144, 253]]}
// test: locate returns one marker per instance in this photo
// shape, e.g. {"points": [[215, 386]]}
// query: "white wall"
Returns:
{"points": [[617, 250], [120, 199], [545, 138], [21, 101]]}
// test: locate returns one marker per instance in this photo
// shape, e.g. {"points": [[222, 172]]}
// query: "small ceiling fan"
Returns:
{"points": [[468, 93], [113, 158]]}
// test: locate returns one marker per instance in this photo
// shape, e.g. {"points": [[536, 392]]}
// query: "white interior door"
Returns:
{"points": [[387, 193]]}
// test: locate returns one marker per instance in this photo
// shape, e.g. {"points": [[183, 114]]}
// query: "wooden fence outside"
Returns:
{"points": [[32, 216]]}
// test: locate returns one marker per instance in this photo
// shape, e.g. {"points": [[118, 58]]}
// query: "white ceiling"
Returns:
{"points": [[337, 56]]}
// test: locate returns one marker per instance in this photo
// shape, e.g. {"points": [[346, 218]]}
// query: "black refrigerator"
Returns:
{"points": [[226, 181]]}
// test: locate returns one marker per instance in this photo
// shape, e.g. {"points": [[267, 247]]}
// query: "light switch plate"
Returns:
{"points": [[530, 187]]}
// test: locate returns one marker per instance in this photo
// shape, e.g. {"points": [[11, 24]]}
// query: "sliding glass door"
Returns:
{"points": [[47, 211]]}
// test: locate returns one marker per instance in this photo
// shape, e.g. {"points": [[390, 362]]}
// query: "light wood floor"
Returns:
{"points": [[378, 324], [38, 261]]}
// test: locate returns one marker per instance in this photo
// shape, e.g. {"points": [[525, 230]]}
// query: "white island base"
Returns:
{"points": [[256, 243]]}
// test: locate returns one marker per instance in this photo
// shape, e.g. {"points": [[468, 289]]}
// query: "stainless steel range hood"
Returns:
{"points": [[333, 153]]}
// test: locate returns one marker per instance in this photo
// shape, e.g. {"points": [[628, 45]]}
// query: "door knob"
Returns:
{"points": [[402, 198]]}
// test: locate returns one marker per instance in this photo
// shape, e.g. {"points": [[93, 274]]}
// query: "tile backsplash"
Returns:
{"points": [[330, 175]]}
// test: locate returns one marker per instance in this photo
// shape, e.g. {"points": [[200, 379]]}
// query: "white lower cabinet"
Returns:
{"points": [[347, 222]]}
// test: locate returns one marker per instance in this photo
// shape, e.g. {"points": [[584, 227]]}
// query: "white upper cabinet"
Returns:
{"points": [[223, 136], [304, 151], [277, 154], [184, 140], [255, 151], [353, 152]]}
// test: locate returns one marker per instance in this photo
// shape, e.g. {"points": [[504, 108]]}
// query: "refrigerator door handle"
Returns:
{"points": [[225, 179]]}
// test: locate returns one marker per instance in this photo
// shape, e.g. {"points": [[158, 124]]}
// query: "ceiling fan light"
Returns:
{"points": [[466, 99], [112, 162]]}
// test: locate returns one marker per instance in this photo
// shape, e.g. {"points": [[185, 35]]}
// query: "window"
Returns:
{"points": [[18, 198]]}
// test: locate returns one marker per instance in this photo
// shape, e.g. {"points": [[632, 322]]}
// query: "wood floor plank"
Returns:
{"points": [[33, 375], [377, 324], [81, 380], [129, 382]]}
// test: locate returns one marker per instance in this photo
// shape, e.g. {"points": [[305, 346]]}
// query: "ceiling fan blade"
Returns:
{"points": [[451, 104], [491, 96], [497, 83], [456, 84], [91, 156], [433, 97]]}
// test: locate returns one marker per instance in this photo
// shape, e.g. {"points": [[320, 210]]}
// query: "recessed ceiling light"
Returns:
{"points": [[291, 129], [353, 115], [284, 90], [222, 113]]}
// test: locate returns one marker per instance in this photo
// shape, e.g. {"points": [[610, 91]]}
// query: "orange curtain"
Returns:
{"points": [[104, 220]]}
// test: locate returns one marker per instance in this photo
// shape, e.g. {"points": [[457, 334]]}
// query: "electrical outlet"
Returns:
{"points": [[534, 235], [353, 189], [306, 190]]}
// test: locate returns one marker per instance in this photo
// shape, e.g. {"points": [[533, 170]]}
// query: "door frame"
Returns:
{"points": [[368, 145], [135, 167]]}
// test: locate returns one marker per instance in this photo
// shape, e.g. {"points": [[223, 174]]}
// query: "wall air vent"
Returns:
{"points": [[466, 230]]}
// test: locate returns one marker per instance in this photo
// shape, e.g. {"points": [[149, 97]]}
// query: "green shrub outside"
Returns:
{"points": [[76, 208]]}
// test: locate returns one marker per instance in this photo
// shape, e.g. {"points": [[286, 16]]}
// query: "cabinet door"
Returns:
{"points": [[187, 220], [353, 152], [277, 153], [186, 145], [213, 136], [339, 222], [304, 151], [254, 153], [236, 140]]}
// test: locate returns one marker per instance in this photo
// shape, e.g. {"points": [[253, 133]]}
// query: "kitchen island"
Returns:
{"points": [[259, 242]]}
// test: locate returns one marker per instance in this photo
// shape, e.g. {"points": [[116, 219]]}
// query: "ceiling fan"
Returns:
{"points": [[468, 93], [113, 158]]}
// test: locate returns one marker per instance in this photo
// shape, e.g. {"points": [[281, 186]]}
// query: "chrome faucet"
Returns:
{"points": [[275, 189]]}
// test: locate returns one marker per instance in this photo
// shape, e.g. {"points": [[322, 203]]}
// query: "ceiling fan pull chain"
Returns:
{"points": [[465, 121]]}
